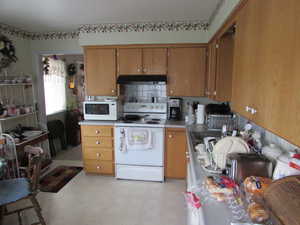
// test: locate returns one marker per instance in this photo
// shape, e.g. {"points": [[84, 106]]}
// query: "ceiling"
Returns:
{"points": [[68, 15]]}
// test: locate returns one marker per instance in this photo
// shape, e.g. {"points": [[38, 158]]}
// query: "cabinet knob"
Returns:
{"points": [[98, 167], [253, 111], [215, 93], [139, 70], [170, 136], [171, 91], [248, 109], [144, 70], [112, 91], [97, 142], [97, 131], [98, 155]]}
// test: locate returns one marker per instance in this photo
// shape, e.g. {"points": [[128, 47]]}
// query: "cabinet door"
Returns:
{"points": [[186, 71], [100, 66], [155, 61], [130, 61], [211, 71], [175, 166], [224, 68], [247, 78], [279, 65]]}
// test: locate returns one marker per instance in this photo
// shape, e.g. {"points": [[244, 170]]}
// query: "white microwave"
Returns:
{"points": [[100, 110]]}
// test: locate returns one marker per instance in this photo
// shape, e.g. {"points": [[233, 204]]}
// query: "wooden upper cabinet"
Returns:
{"points": [[100, 71], [133, 61], [176, 148], [155, 61], [130, 61], [266, 66], [186, 71], [224, 67]]}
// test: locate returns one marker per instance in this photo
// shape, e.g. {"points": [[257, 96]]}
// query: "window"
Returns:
{"points": [[55, 86]]}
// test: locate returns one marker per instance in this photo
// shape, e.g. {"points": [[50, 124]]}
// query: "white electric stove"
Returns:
{"points": [[139, 142]]}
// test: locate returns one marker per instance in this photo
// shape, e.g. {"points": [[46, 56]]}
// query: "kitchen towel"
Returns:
{"points": [[138, 138]]}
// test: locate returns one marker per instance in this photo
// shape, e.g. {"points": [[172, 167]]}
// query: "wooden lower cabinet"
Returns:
{"points": [[97, 149], [97, 166], [175, 153]]}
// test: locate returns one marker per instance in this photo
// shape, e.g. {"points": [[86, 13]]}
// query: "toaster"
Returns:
{"points": [[243, 165]]}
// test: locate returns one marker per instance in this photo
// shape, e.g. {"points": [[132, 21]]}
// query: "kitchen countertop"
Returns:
{"points": [[168, 124], [175, 124], [211, 212], [98, 122]]}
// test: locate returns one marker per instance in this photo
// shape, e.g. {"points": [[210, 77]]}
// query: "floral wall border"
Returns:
{"points": [[106, 28], [144, 27]]}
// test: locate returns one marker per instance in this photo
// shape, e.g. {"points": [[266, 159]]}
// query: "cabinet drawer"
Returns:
{"points": [[100, 142], [91, 130], [99, 154], [96, 166]]}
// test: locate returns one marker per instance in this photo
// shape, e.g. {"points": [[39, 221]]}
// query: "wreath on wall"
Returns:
{"points": [[7, 52]]}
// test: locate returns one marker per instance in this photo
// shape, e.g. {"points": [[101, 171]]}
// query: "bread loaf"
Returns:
{"points": [[256, 185]]}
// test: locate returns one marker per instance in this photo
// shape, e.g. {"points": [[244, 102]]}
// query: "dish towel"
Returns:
{"points": [[138, 138]]}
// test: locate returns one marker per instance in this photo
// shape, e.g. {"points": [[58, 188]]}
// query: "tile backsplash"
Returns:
{"points": [[267, 136], [144, 92]]}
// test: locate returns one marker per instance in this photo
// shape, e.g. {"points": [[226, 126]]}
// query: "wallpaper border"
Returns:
{"points": [[106, 28]]}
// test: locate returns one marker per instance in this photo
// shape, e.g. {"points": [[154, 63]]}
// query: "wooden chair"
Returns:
{"points": [[17, 189]]}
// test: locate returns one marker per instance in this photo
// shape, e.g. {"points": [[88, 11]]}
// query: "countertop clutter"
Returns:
{"points": [[248, 202]]}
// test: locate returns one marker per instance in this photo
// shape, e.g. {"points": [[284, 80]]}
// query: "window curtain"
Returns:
{"points": [[55, 86]]}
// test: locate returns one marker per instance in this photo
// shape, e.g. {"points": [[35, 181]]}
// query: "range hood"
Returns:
{"points": [[125, 79]]}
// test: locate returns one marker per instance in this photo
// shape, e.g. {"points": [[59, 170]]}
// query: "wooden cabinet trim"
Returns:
{"points": [[179, 45]]}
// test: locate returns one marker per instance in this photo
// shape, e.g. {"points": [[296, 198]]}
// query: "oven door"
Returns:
{"points": [[149, 154], [100, 110]]}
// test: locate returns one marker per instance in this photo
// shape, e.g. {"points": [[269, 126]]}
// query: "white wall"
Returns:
{"points": [[148, 37], [23, 65], [224, 11]]}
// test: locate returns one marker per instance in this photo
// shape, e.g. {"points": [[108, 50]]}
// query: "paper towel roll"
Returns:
{"points": [[200, 114]]}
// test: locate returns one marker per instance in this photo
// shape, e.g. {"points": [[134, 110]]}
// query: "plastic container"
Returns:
{"points": [[283, 168]]}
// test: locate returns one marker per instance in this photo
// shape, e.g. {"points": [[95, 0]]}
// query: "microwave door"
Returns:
{"points": [[97, 109]]}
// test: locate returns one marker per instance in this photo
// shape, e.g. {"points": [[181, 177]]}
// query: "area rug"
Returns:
{"points": [[57, 178]]}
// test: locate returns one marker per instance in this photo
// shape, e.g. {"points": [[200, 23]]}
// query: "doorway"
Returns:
{"points": [[63, 93]]}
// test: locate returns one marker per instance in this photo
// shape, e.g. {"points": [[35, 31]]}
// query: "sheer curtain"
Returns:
{"points": [[55, 87]]}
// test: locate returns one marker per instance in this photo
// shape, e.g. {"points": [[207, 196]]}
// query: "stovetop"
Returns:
{"points": [[154, 122], [144, 114]]}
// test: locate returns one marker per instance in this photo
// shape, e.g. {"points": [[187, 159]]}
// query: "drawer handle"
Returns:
{"points": [[98, 155], [97, 132], [98, 143]]}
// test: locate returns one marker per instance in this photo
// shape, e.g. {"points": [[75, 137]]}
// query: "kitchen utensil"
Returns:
{"points": [[245, 165], [226, 146]]}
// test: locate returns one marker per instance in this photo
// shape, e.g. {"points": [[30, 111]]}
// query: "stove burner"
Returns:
{"points": [[152, 122], [155, 119]]}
